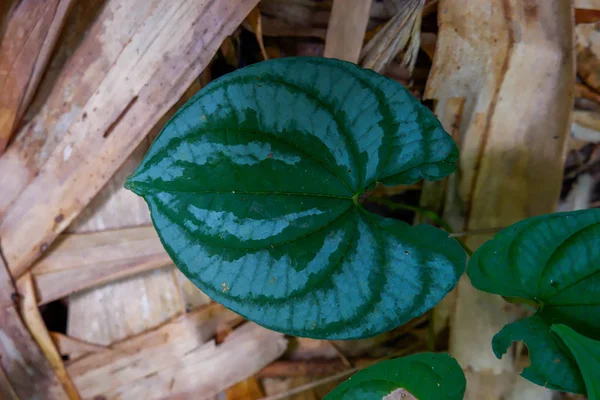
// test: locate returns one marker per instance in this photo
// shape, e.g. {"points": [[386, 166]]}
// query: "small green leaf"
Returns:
{"points": [[587, 354], [425, 376], [254, 190], [552, 365], [554, 261]]}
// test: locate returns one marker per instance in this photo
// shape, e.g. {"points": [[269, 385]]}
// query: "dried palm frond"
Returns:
{"points": [[400, 32]]}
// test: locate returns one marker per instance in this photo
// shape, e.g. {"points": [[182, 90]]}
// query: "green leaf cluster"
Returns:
{"points": [[552, 261]]}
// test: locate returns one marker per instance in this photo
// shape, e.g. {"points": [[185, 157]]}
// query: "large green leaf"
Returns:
{"points": [[552, 261], [425, 376], [254, 189], [587, 354]]}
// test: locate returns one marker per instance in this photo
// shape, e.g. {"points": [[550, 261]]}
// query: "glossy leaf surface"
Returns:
{"points": [[254, 184], [424, 375], [553, 261], [587, 354]]}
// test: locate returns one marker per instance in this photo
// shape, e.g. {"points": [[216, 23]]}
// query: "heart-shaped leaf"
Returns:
{"points": [[424, 376], [254, 188], [552, 261], [587, 354]]}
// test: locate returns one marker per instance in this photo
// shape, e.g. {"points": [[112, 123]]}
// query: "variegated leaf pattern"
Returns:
{"points": [[254, 184]]}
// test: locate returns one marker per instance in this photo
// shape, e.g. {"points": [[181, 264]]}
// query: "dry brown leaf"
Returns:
{"points": [[247, 389], [30, 34], [34, 322], [89, 145], [586, 16], [255, 21], [23, 364], [229, 52]]}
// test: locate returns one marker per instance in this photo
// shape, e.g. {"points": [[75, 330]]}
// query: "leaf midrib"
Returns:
{"points": [[269, 135], [169, 214], [310, 94]]}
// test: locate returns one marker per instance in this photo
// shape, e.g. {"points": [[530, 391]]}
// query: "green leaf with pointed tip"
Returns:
{"points": [[587, 354], [552, 365], [554, 261], [254, 184], [424, 375]]}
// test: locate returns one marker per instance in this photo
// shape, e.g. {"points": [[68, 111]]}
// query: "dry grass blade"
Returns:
{"points": [[255, 21], [28, 371], [401, 32], [33, 319]]}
